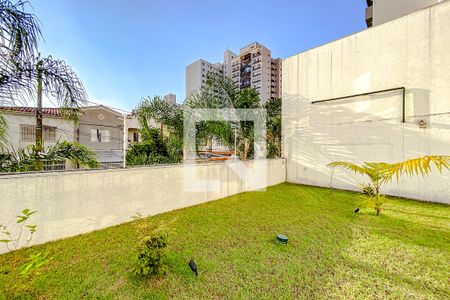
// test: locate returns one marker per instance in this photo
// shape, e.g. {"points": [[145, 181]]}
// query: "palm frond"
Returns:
{"points": [[19, 36], [349, 166], [418, 166], [58, 79], [3, 130], [19, 30]]}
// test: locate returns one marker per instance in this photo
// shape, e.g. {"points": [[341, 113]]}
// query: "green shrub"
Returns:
{"points": [[154, 149], [151, 246], [76, 153], [25, 159], [151, 252]]}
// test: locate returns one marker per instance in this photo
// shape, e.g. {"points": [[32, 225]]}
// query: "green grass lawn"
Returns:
{"points": [[332, 252]]}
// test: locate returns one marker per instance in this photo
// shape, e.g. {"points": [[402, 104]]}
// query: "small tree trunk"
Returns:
{"points": [[246, 147], [38, 133], [210, 144], [377, 201]]}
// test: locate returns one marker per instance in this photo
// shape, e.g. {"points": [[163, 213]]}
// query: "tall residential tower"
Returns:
{"points": [[254, 67]]}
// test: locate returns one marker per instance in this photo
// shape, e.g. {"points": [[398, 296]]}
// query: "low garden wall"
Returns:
{"points": [[75, 202]]}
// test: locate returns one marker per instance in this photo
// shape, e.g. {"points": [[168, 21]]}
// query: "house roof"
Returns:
{"points": [[103, 107], [50, 111]]}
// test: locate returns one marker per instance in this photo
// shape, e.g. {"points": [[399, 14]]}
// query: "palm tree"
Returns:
{"points": [[247, 99], [27, 75], [56, 79], [380, 173], [273, 114], [220, 92], [158, 109], [170, 118]]}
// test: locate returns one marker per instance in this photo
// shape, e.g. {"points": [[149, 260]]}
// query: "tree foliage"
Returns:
{"points": [[19, 33], [152, 149], [26, 76], [220, 92], [3, 133], [156, 147], [273, 115], [75, 152]]}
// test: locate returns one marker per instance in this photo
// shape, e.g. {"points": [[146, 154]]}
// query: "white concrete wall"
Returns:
{"points": [[71, 203], [387, 10], [412, 52]]}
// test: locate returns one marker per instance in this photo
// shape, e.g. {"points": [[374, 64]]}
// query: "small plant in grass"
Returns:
{"points": [[380, 173], [151, 248], [21, 277], [12, 243]]}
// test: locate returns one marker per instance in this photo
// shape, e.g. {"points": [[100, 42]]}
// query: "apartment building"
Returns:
{"points": [[254, 67], [196, 74], [382, 11], [170, 98]]}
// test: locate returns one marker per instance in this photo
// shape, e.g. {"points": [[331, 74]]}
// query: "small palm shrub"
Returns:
{"points": [[380, 173]]}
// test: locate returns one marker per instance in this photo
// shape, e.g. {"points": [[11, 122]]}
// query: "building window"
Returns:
{"points": [[49, 134], [135, 137], [99, 136], [28, 133]]}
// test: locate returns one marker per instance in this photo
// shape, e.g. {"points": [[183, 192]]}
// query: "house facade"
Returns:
{"points": [[101, 129], [22, 127]]}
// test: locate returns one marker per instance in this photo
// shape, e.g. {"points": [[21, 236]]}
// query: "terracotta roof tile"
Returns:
{"points": [[32, 110]]}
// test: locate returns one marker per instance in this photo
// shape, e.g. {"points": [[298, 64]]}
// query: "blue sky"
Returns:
{"points": [[124, 50]]}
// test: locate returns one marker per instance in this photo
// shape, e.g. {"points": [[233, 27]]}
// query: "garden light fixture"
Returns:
{"points": [[282, 239], [193, 266]]}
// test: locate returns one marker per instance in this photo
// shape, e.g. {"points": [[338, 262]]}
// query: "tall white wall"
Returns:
{"points": [[71, 203], [387, 10], [411, 52]]}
